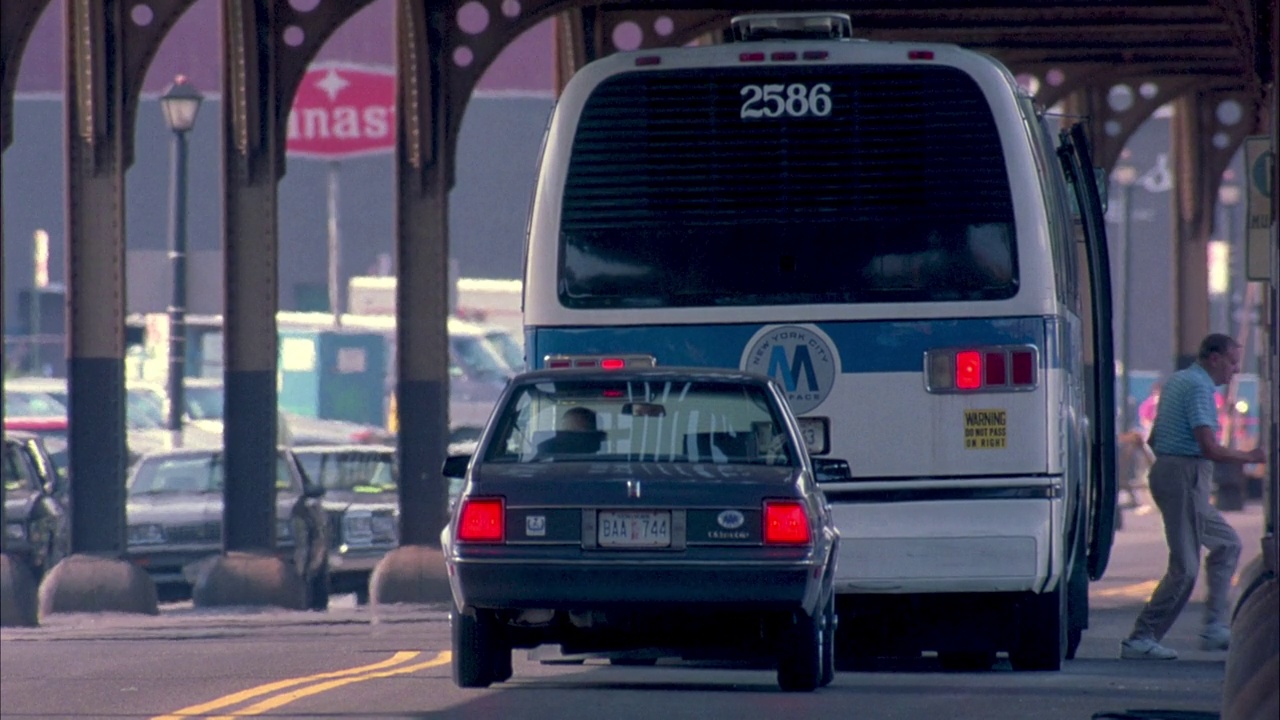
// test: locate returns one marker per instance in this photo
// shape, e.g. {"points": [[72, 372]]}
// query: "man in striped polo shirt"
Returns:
{"points": [[1185, 442]]}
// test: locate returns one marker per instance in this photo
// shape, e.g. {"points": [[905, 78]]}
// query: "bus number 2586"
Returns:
{"points": [[794, 100]]}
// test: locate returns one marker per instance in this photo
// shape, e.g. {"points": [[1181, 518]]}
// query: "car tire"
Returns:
{"points": [[473, 657], [1041, 640], [800, 655], [830, 622]]}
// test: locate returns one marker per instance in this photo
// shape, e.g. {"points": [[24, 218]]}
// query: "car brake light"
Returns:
{"points": [[920, 55], [751, 57], [785, 523], [481, 520], [613, 363]]}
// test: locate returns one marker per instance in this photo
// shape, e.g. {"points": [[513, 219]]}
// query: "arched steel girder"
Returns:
{"points": [[1115, 106], [268, 45], [17, 21]]}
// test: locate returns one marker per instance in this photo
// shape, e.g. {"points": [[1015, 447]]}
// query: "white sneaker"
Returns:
{"points": [[1145, 649], [1215, 637]]}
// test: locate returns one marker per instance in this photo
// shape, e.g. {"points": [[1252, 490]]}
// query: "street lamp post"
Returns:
{"points": [[180, 103], [1126, 176]]}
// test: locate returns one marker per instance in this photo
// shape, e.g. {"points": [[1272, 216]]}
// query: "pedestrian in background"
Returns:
{"points": [[1184, 439]]}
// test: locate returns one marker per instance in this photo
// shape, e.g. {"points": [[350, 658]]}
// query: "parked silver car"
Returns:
{"points": [[37, 526], [174, 511]]}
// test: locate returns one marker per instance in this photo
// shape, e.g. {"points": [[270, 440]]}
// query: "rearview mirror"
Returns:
{"points": [[313, 490], [455, 466], [644, 410]]}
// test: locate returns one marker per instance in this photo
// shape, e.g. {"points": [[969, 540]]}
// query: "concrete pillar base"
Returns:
{"points": [[410, 574], [17, 594], [248, 578], [1249, 690], [94, 583]]}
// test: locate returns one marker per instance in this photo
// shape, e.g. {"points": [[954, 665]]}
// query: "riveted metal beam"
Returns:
{"points": [[1116, 105], [267, 46], [1206, 133], [96, 37], [423, 178]]}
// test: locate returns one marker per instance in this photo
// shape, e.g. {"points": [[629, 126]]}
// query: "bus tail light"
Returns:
{"points": [[604, 362], [482, 520], [987, 369], [786, 523]]}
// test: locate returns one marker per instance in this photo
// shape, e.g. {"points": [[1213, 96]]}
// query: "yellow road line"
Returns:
{"points": [[225, 701], [1137, 591], [285, 698]]}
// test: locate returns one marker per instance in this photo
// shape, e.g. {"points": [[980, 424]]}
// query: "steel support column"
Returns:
{"points": [[251, 146], [422, 248], [1203, 143]]}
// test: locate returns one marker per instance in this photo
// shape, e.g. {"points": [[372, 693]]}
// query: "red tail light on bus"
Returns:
{"points": [[983, 369]]}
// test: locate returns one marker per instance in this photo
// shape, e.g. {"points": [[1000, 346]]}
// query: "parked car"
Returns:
{"points": [[641, 513], [362, 501], [508, 345], [174, 511], [37, 526], [31, 397], [52, 432]]}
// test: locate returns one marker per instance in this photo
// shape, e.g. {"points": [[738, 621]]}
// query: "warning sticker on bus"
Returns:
{"points": [[985, 429]]}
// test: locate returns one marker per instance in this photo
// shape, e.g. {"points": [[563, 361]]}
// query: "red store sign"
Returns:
{"points": [[343, 110]]}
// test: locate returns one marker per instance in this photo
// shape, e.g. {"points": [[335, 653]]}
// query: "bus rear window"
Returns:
{"points": [[677, 197]]}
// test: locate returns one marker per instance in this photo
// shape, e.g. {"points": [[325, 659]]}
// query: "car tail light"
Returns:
{"points": [[786, 523], [482, 520], [919, 54], [987, 369]]}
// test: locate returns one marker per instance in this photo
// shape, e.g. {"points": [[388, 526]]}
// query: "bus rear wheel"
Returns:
{"points": [[1041, 640]]}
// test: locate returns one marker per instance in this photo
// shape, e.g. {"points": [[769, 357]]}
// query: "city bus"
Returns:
{"points": [[914, 251]]}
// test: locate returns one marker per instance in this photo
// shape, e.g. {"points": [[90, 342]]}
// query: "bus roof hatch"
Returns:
{"points": [[792, 26]]}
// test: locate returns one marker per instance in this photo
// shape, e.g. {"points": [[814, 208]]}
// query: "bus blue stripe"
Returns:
{"points": [[864, 347]]}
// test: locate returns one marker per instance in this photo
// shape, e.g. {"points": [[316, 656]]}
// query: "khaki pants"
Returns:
{"points": [[1180, 488]]}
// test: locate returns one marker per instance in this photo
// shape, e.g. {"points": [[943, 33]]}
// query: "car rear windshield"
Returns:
{"points": [[642, 421], [893, 190]]}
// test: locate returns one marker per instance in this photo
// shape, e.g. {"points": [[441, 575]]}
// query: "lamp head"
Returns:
{"points": [[180, 103]]}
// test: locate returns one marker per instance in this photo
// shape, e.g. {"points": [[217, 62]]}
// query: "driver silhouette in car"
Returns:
{"points": [[576, 434]]}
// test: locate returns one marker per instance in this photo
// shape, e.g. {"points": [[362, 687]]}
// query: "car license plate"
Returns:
{"points": [[633, 529]]}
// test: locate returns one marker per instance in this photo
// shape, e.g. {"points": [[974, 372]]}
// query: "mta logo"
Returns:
{"points": [[800, 359], [789, 374]]}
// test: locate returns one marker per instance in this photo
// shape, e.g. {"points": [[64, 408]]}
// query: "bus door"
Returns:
{"points": [[1077, 162]]}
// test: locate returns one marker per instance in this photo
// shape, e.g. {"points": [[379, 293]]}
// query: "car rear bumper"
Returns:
{"points": [[499, 584], [356, 560]]}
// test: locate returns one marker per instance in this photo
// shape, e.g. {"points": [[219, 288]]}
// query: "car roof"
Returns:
{"points": [[644, 373], [351, 448], [33, 383], [34, 423]]}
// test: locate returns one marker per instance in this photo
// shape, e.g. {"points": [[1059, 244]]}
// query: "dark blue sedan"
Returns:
{"points": [[641, 513]]}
